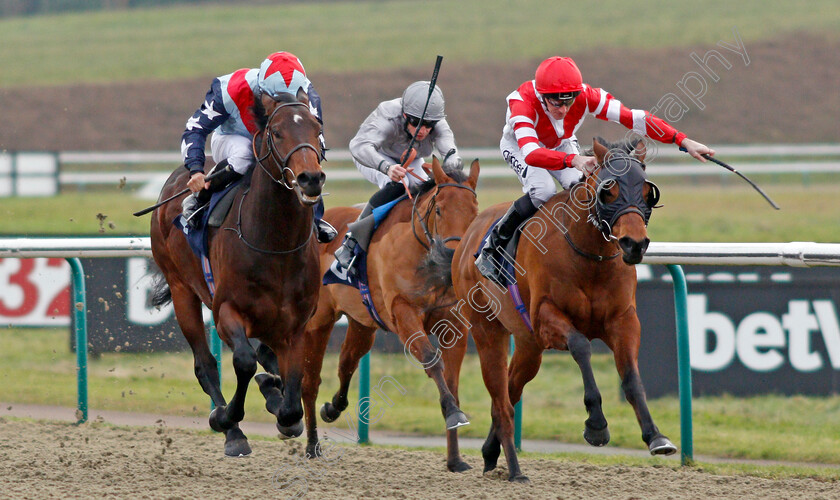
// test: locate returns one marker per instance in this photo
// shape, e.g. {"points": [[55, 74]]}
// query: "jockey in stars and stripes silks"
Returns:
{"points": [[226, 112]]}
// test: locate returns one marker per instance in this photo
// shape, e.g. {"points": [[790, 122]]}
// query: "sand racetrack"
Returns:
{"points": [[94, 460]]}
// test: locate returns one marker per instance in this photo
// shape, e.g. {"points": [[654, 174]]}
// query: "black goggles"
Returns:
{"points": [[560, 100], [414, 122]]}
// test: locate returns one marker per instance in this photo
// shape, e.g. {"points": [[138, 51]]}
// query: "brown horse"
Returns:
{"points": [[265, 261], [575, 290], [416, 235]]}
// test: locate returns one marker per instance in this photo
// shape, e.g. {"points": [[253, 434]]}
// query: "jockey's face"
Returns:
{"points": [[558, 106], [426, 126], [557, 112]]}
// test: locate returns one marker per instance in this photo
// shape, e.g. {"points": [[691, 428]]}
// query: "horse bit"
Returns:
{"points": [[281, 160]]}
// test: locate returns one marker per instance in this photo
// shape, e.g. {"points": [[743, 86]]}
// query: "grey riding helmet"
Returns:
{"points": [[414, 100]]}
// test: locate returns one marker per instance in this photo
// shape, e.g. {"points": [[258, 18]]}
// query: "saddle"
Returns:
{"points": [[213, 215], [508, 254]]}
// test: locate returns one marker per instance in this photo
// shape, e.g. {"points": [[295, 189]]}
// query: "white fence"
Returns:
{"points": [[666, 160]]}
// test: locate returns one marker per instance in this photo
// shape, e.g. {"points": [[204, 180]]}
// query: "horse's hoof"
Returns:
{"points": [[662, 446], [597, 437], [457, 419], [216, 417], [237, 448], [460, 466], [290, 432], [519, 478], [313, 450], [264, 379], [329, 413]]}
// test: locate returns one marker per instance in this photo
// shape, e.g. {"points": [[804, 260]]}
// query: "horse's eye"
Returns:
{"points": [[276, 134], [608, 192], [437, 210]]}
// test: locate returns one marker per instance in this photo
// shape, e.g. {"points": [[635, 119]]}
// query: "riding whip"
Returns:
{"points": [[739, 174], [432, 83], [180, 193]]}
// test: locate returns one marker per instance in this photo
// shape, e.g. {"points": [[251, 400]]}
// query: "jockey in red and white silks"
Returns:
{"points": [[539, 143], [533, 138]]}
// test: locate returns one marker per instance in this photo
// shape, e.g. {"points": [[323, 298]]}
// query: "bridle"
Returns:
{"points": [[281, 160], [603, 216], [424, 220]]}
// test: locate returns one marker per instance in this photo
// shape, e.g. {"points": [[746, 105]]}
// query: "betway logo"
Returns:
{"points": [[760, 339]]}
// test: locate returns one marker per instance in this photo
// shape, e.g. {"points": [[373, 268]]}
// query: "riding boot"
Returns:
{"points": [[489, 261], [323, 229], [361, 231], [192, 206], [345, 255], [219, 177]]}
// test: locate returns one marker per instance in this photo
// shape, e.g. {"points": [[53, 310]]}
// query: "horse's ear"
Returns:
{"points": [[268, 103], [302, 96], [472, 180], [640, 150], [437, 171], [600, 151]]}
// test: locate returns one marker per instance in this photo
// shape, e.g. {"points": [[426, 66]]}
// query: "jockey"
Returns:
{"points": [[539, 143], [380, 148], [226, 112]]}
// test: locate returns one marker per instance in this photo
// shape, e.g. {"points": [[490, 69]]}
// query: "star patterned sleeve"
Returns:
{"points": [[207, 118], [315, 108]]}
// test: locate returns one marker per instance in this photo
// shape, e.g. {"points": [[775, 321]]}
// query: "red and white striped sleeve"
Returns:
{"points": [[606, 107], [523, 118]]}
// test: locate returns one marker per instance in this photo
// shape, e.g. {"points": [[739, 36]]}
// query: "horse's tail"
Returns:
{"points": [[436, 268], [161, 294]]}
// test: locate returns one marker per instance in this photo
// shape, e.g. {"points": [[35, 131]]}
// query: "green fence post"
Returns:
{"points": [[216, 351], [364, 398], [684, 363], [79, 310], [517, 411]]}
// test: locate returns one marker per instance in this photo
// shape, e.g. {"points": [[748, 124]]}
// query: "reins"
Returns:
{"points": [[593, 219], [238, 231], [279, 158], [422, 220], [282, 162]]}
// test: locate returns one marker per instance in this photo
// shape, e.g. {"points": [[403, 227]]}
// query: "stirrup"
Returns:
{"points": [[486, 265], [324, 231], [345, 255]]}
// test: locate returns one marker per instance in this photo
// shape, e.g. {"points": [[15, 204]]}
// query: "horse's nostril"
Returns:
{"points": [[630, 246], [309, 178]]}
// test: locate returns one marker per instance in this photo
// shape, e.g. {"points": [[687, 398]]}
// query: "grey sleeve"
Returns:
{"points": [[445, 145], [366, 146]]}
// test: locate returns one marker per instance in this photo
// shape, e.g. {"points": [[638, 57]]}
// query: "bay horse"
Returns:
{"points": [[416, 235], [574, 288], [264, 258]]}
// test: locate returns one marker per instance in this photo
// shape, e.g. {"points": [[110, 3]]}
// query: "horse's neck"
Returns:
{"points": [[572, 218], [276, 210]]}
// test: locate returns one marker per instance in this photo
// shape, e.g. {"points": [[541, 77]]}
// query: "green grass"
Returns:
{"points": [[37, 368], [714, 211], [183, 42]]}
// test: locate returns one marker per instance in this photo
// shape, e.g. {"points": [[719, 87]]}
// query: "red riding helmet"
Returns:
{"points": [[558, 75]]}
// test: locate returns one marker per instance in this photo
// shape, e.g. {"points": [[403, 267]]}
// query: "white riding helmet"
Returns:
{"points": [[414, 100]]}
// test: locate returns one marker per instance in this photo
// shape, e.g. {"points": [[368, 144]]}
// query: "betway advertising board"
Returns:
{"points": [[752, 330]]}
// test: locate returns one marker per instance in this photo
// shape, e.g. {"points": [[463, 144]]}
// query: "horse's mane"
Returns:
{"points": [[624, 146], [435, 268], [455, 174], [258, 110]]}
